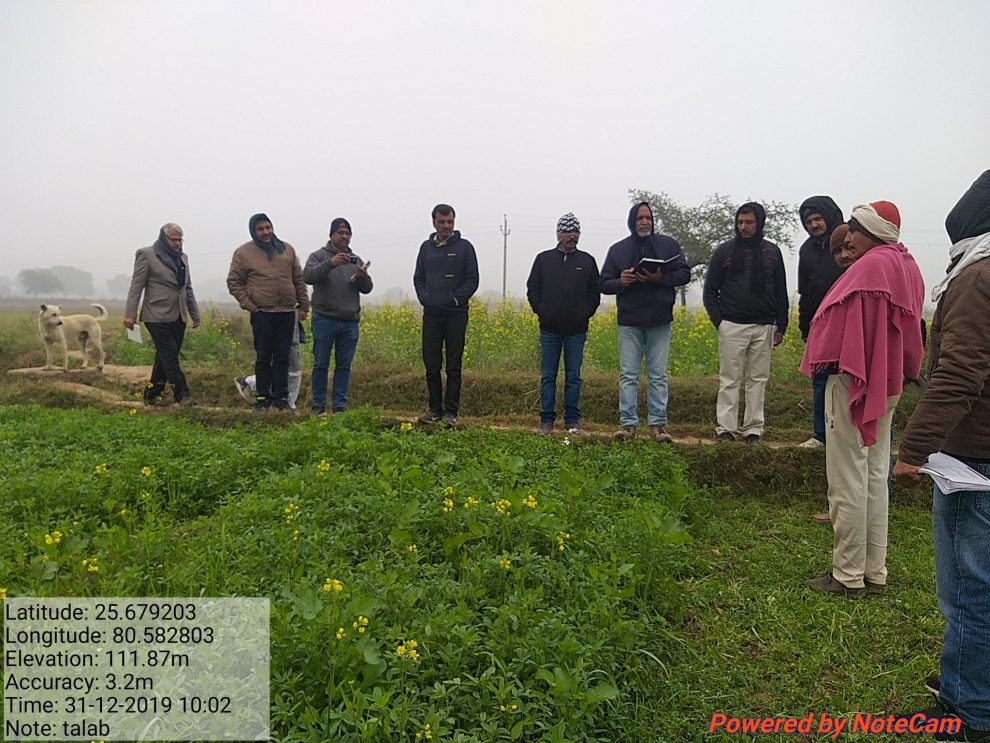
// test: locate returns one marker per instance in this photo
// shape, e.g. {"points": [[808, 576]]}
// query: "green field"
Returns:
{"points": [[556, 589]]}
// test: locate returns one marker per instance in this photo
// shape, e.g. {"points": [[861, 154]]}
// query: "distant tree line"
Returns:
{"points": [[62, 281]]}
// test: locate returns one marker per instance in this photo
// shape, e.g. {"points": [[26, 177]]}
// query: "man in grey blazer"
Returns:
{"points": [[161, 273]]}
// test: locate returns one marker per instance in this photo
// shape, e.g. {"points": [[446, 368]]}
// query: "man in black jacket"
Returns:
{"points": [[446, 277], [745, 296], [563, 291], [817, 271]]}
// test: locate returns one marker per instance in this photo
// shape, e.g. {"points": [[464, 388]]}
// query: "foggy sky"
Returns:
{"points": [[120, 116]]}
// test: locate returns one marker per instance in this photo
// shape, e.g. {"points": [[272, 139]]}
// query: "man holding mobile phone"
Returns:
{"points": [[339, 278]]}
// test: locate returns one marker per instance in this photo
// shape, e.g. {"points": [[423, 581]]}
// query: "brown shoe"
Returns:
{"points": [[829, 584], [626, 433], [660, 435], [822, 518], [874, 589]]}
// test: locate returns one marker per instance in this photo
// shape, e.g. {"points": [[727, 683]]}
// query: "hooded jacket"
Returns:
{"points": [[267, 277], [644, 304], [729, 282], [446, 275], [336, 293], [954, 414], [817, 269]]}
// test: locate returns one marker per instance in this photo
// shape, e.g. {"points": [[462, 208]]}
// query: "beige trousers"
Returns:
{"points": [[742, 350], [857, 489]]}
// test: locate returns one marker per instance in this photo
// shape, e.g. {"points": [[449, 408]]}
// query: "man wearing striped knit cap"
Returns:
{"points": [[563, 291], [866, 335]]}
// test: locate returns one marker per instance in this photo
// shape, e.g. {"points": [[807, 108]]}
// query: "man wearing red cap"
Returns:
{"points": [[867, 335]]}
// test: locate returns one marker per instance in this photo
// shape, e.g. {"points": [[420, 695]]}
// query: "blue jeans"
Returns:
{"points": [[326, 333], [635, 343], [961, 530], [818, 382], [551, 345]]}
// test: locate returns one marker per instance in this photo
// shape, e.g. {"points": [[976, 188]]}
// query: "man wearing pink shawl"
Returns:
{"points": [[867, 334]]}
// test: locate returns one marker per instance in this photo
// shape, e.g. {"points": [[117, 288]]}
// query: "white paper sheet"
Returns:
{"points": [[951, 475]]}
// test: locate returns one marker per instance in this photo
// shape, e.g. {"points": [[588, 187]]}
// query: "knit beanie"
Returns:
{"points": [[339, 221], [880, 218], [838, 236], [568, 223]]}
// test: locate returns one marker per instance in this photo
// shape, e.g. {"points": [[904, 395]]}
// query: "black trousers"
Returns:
{"points": [[167, 337], [272, 341], [440, 331]]}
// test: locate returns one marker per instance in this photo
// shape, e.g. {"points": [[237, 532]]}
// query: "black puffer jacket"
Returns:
{"points": [[817, 269]]}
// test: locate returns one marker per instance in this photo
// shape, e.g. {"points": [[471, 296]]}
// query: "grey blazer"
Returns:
{"points": [[164, 299]]}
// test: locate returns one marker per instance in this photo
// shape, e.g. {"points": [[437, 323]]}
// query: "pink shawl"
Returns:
{"points": [[869, 326]]}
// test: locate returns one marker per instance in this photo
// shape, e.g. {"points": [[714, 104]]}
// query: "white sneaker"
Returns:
{"points": [[812, 443], [244, 390]]}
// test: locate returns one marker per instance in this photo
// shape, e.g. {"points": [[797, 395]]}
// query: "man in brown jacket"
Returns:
{"points": [[954, 417], [266, 280]]}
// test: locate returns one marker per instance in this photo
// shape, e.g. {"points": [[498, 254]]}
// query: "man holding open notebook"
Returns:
{"points": [[642, 271]]}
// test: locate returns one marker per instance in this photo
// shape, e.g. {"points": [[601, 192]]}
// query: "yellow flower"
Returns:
{"points": [[124, 512], [146, 471], [405, 427], [323, 467], [561, 540], [295, 535], [144, 495], [448, 491], [426, 733], [54, 538], [290, 512], [360, 624], [91, 565], [408, 650], [448, 505], [340, 633], [132, 411], [508, 708], [3, 594], [530, 501], [412, 549], [100, 469], [332, 584], [502, 506], [471, 502], [505, 563]]}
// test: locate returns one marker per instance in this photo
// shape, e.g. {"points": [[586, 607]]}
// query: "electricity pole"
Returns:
{"points": [[504, 229]]}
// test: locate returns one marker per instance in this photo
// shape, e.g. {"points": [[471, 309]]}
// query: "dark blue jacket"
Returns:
{"points": [[446, 275], [644, 304]]}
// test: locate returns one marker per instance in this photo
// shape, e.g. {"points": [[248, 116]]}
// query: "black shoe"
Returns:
{"points": [[932, 684], [546, 428], [338, 410], [449, 420], [951, 726], [429, 418], [725, 438], [318, 410], [753, 438], [261, 405], [282, 405]]}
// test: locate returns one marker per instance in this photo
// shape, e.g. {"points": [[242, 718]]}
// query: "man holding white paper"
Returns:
{"points": [[953, 416]]}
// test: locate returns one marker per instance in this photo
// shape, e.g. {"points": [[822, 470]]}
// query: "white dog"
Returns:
{"points": [[55, 328]]}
